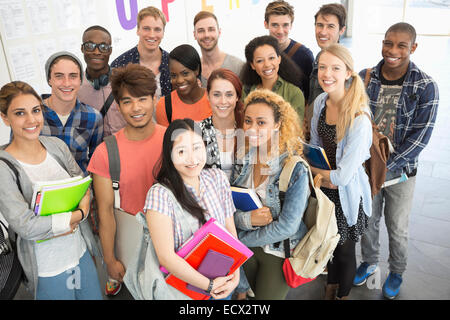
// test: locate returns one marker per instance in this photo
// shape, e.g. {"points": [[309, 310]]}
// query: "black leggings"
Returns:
{"points": [[342, 269]]}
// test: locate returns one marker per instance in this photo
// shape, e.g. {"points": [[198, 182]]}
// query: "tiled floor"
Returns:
{"points": [[428, 271]]}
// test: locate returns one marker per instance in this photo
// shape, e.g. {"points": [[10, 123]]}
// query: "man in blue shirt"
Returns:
{"points": [[404, 101], [151, 23], [79, 125]]}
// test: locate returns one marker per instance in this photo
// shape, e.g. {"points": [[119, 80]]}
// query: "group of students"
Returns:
{"points": [[187, 127]]}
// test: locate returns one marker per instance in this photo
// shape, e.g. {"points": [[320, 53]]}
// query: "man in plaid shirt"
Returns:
{"points": [[404, 101], [79, 125]]}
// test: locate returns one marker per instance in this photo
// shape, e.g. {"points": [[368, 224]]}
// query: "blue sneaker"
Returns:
{"points": [[392, 285], [363, 272]]}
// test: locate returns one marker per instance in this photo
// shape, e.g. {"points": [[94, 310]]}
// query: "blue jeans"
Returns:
{"points": [[78, 283], [395, 202]]}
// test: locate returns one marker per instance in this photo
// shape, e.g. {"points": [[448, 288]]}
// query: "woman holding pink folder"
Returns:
{"points": [[185, 197], [61, 268]]}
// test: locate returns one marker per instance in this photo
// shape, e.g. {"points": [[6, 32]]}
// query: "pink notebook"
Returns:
{"points": [[214, 227]]}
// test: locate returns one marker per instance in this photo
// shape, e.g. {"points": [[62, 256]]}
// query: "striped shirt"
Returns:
{"points": [[416, 114], [82, 133], [215, 198]]}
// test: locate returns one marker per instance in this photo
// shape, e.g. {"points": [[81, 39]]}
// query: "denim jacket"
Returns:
{"points": [[287, 223], [352, 151], [416, 115]]}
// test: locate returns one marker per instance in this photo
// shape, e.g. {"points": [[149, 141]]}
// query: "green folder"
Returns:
{"points": [[63, 197]]}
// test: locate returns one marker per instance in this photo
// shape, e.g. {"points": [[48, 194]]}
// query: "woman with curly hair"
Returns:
{"points": [[269, 68], [273, 129]]}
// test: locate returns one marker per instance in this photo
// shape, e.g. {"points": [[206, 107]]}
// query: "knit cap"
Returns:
{"points": [[54, 56]]}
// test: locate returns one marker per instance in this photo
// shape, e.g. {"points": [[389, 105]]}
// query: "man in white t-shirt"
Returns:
{"points": [[207, 33]]}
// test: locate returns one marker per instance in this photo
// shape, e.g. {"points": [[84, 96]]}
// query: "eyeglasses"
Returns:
{"points": [[102, 47]]}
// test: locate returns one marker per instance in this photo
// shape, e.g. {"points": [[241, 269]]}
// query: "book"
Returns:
{"points": [[245, 199], [215, 228], [316, 156], [197, 255], [213, 265], [59, 196], [391, 182]]}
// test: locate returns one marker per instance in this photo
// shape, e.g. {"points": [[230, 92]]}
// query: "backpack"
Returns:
{"points": [[11, 272], [375, 166], [129, 231], [168, 106], [311, 255]]}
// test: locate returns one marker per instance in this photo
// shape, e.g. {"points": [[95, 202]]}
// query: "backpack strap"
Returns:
{"points": [[283, 183], [294, 49], [367, 77], [114, 166], [12, 234], [13, 169], [107, 105], [168, 105]]}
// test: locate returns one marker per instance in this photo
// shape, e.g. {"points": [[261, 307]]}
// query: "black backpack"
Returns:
{"points": [[11, 272]]}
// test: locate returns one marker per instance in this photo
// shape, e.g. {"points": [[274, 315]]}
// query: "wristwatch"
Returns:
{"points": [[211, 283]]}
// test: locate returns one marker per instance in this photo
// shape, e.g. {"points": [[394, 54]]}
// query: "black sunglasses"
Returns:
{"points": [[102, 47]]}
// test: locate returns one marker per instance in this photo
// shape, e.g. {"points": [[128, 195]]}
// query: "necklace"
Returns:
{"points": [[226, 135]]}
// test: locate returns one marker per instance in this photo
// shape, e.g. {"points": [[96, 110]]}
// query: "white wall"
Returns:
{"points": [[31, 30]]}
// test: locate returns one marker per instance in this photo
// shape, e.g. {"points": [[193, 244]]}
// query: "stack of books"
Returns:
{"points": [[51, 197], [212, 251]]}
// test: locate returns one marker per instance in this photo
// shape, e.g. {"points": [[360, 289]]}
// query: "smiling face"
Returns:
{"points": [[150, 32], [96, 60], [332, 73], [65, 80], [259, 124], [24, 116], [207, 33], [136, 111], [279, 27], [183, 79], [266, 62], [327, 30], [397, 47], [223, 98], [188, 154]]}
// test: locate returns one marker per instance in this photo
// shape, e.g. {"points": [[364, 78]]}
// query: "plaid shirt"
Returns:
{"points": [[82, 133], [416, 115], [215, 198], [132, 56]]}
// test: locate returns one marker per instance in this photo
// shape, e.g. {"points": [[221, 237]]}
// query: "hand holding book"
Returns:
{"points": [[261, 217]]}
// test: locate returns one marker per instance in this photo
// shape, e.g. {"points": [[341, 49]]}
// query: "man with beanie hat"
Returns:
{"points": [[79, 125]]}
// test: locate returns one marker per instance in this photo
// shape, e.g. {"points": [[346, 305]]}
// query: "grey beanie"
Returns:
{"points": [[53, 57]]}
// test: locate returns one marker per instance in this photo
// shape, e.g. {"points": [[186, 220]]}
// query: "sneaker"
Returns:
{"points": [[112, 287], [392, 285], [363, 272]]}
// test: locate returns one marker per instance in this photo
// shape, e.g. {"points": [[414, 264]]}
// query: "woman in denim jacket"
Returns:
{"points": [[273, 129], [340, 126]]}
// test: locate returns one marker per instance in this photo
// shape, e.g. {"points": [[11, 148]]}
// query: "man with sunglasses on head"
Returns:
{"points": [[96, 88]]}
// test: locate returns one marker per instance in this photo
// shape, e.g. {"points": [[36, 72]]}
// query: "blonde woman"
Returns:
{"points": [[340, 126], [272, 128]]}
